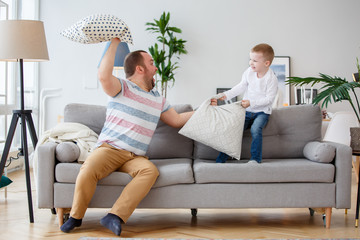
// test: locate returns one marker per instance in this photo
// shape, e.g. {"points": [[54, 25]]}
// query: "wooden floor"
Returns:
{"points": [[174, 223]]}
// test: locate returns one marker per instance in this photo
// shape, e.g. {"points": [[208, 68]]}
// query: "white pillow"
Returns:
{"points": [[98, 28], [219, 127]]}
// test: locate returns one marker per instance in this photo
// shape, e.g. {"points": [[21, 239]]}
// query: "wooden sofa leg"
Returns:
{"points": [[60, 215], [328, 216]]}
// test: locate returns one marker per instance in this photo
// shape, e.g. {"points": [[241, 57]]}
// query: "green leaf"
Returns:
{"points": [[174, 29], [172, 47], [333, 89]]}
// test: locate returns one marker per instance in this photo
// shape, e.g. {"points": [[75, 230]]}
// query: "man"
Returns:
{"points": [[133, 112]]}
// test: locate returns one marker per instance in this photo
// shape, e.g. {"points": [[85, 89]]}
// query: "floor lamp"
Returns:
{"points": [[22, 40]]}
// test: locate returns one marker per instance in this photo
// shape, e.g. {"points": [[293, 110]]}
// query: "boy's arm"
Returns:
{"points": [[233, 92], [237, 89]]}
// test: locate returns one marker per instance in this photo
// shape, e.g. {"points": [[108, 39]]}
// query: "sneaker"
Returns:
{"points": [[252, 162]]}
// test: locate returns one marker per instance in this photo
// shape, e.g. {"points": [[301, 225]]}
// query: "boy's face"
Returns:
{"points": [[258, 63]]}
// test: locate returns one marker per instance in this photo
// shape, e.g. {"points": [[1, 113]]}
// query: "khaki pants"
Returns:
{"points": [[103, 161]]}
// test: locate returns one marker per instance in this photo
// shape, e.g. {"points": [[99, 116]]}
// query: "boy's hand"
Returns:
{"points": [[245, 103], [223, 97]]}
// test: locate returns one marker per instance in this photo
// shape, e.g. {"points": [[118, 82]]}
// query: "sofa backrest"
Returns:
{"points": [[92, 116], [284, 136], [166, 142]]}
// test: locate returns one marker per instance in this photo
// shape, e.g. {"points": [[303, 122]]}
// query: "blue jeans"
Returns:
{"points": [[256, 122]]}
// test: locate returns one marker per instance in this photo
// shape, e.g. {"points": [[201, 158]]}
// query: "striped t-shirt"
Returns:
{"points": [[131, 118]]}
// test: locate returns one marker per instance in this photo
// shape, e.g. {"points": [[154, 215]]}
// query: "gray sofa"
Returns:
{"points": [[190, 178]]}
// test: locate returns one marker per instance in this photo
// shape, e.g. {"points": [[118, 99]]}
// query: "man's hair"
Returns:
{"points": [[266, 50], [132, 60]]}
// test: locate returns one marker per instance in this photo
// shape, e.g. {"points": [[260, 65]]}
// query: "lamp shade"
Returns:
{"points": [[23, 39], [121, 52]]}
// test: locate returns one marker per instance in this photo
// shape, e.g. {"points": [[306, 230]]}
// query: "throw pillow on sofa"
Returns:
{"points": [[98, 28], [67, 152], [319, 152], [219, 127]]}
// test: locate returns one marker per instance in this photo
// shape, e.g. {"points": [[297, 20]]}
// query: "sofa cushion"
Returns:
{"points": [[167, 143], [164, 138], [220, 127], [288, 131], [274, 170], [89, 115], [285, 135], [204, 152], [171, 172], [98, 28], [319, 152]]}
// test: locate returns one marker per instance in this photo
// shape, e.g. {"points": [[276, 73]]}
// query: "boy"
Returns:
{"points": [[260, 86]]}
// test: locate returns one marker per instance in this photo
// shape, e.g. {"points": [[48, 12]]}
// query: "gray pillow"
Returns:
{"points": [[319, 152], [67, 152]]}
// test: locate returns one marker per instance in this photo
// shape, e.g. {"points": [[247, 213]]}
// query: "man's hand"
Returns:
{"points": [[245, 103], [214, 100], [116, 40]]}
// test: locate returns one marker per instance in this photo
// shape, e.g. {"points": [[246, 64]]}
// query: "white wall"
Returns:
{"points": [[319, 36]]}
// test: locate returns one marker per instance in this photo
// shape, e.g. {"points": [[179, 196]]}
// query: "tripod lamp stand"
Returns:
{"points": [[22, 40]]}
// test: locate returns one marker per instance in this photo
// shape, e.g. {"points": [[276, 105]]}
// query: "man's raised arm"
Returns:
{"points": [[110, 84]]}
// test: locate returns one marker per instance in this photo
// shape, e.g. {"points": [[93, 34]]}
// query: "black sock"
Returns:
{"points": [[112, 222], [71, 224]]}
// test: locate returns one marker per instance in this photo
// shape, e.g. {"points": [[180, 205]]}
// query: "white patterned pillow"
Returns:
{"points": [[219, 127], [98, 28]]}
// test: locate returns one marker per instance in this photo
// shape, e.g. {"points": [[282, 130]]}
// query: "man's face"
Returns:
{"points": [[150, 69]]}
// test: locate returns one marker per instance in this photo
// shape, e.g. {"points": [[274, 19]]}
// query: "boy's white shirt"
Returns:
{"points": [[261, 92]]}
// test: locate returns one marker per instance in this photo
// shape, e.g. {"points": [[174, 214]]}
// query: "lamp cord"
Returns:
{"points": [[18, 155]]}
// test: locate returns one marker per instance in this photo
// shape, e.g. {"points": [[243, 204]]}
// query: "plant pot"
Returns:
{"points": [[355, 139]]}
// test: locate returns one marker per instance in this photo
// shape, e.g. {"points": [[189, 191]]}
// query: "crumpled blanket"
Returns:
{"points": [[82, 135]]}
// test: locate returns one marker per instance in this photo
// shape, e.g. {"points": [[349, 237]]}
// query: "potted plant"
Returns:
{"points": [[170, 48], [334, 89]]}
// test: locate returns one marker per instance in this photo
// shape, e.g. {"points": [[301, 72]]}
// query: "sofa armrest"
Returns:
{"points": [[45, 174], [343, 168]]}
